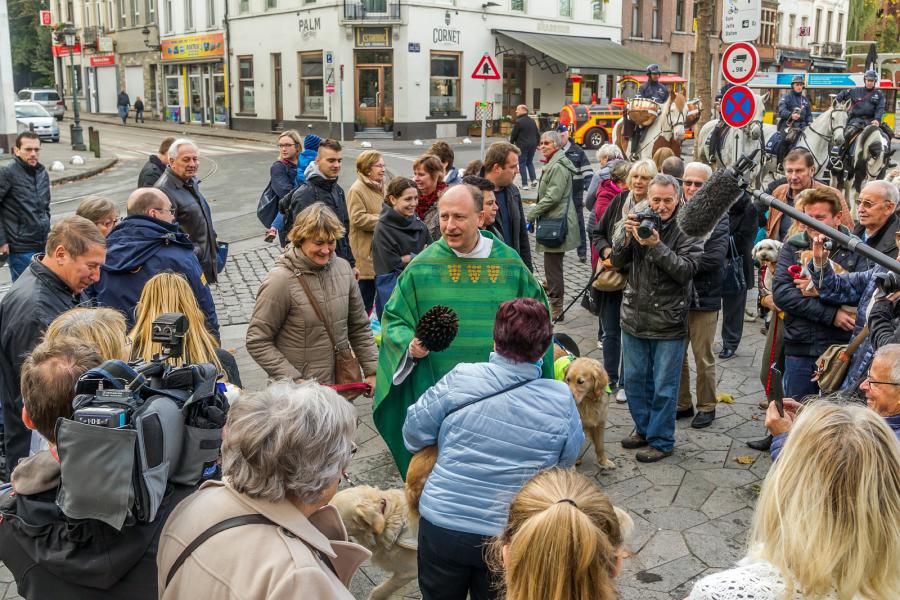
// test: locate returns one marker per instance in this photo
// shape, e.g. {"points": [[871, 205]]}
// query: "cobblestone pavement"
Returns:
{"points": [[691, 510]]}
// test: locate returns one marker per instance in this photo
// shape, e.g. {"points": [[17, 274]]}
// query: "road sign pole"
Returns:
{"points": [[483, 117], [341, 100]]}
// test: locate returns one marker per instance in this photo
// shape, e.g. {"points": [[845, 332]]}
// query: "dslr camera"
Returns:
{"points": [[887, 282], [649, 221]]}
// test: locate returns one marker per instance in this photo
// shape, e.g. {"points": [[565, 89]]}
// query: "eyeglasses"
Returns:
{"points": [[692, 183], [379, 165], [873, 382], [868, 204], [171, 211], [280, 146]]}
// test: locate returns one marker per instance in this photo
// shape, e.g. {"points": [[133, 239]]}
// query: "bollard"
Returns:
{"points": [[91, 139], [94, 141]]}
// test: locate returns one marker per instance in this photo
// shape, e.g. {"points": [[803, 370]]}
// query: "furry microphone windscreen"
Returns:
{"points": [[701, 213], [437, 328]]}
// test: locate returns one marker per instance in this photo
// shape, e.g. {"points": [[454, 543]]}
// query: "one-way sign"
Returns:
{"points": [[486, 69]]}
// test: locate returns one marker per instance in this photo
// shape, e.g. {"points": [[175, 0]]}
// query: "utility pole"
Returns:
{"points": [[8, 127]]}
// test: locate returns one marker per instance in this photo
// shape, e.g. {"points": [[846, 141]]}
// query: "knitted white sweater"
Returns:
{"points": [[751, 579]]}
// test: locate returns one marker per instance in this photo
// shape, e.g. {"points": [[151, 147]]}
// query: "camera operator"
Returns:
{"points": [[884, 319], [661, 262], [811, 324], [49, 555]]}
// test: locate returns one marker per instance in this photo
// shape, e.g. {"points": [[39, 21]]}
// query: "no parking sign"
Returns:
{"points": [[738, 106]]}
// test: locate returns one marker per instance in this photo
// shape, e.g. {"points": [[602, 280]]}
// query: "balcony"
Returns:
{"points": [[371, 11], [828, 50]]}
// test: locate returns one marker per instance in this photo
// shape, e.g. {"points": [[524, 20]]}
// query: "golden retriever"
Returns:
{"points": [[380, 521], [588, 380]]}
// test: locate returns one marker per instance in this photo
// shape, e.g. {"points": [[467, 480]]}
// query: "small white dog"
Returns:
{"points": [[766, 252]]}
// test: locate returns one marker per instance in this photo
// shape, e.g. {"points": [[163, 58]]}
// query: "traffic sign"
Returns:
{"points": [[740, 62], [329, 88], [740, 20], [738, 106], [486, 69]]}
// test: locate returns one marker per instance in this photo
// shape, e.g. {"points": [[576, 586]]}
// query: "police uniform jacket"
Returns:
{"points": [[866, 105], [654, 91], [786, 106]]}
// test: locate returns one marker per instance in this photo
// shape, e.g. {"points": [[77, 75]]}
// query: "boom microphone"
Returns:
{"points": [[702, 212]]}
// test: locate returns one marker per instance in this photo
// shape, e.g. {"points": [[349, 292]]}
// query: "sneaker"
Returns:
{"points": [[634, 441], [533, 185], [620, 396], [271, 234], [651, 454]]}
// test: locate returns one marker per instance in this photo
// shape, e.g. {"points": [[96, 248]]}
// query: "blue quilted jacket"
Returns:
{"points": [[488, 450]]}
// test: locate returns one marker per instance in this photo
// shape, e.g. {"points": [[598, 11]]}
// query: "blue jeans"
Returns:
{"points": [[798, 371], [652, 376], [526, 166], [18, 262], [610, 308]]}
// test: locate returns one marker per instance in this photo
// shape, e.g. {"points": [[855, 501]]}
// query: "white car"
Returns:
{"points": [[32, 115]]}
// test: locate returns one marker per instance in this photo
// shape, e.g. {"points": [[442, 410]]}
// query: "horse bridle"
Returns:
{"points": [[829, 139]]}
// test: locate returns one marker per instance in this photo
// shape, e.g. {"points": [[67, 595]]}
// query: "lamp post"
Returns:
{"points": [[77, 133]]}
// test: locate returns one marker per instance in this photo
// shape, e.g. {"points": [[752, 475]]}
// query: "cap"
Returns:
{"points": [[311, 142], [562, 127]]}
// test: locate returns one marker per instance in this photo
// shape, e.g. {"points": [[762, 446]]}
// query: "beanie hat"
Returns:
{"points": [[311, 142]]}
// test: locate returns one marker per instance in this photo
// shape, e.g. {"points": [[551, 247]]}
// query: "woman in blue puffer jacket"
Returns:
{"points": [[496, 425]]}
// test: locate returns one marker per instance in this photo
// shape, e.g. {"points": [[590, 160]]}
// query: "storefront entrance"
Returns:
{"points": [[374, 87], [513, 83], [203, 99]]}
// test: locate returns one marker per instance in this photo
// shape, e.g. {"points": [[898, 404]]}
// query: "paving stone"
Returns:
{"points": [[663, 547], [673, 517], [659, 496], [620, 492], [667, 576], [729, 477], [693, 492], [730, 525], [714, 551], [724, 501]]}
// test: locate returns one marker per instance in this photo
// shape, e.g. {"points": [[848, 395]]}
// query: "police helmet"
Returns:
{"points": [[871, 75], [653, 69], [798, 79]]}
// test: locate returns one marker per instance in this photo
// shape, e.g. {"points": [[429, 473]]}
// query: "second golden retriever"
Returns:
{"points": [[588, 381]]}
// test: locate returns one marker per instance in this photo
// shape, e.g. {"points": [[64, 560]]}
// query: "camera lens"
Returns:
{"points": [[645, 229]]}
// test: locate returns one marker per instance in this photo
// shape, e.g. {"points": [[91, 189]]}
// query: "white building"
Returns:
{"points": [[812, 33], [409, 63]]}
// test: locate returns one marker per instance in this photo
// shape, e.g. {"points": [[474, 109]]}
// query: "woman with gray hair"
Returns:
{"points": [[284, 452], [555, 202], [605, 154]]}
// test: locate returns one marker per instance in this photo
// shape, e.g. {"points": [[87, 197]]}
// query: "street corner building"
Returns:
{"points": [[403, 69]]}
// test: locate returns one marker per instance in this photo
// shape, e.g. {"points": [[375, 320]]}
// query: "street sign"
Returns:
{"points": [[46, 18], [329, 58], [740, 62], [486, 69], [738, 106], [740, 20], [329, 88]]}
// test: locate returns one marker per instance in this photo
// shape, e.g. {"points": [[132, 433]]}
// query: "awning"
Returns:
{"points": [[829, 63], [557, 53], [792, 54]]}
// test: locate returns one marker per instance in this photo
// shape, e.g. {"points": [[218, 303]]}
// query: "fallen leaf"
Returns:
{"points": [[726, 398], [746, 459], [754, 417]]}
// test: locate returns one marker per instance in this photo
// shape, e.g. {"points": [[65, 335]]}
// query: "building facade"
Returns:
{"points": [[407, 66], [811, 35], [662, 30]]}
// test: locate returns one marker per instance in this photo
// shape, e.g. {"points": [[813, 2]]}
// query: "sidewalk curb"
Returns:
{"points": [[106, 164], [208, 132]]}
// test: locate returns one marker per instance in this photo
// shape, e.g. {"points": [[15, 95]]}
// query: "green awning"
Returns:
{"points": [[586, 54]]}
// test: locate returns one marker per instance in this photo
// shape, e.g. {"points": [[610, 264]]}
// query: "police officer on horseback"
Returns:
{"points": [[794, 115], [866, 104], [715, 136], [651, 90]]}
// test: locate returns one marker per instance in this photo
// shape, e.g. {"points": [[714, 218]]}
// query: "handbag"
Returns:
{"points": [[552, 233], [346, 367], [267, 207], [609, 279], [733, 281], [832, 365]]}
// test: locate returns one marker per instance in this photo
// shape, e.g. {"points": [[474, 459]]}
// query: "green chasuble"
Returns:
{"points": [[473, 287]]}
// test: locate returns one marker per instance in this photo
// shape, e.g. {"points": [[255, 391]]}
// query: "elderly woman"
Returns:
{"points": [[825, 525], [605, 154], [639, 176], [101, 212], [284, 452], [495, 424], [286, 336], [555, 202], [364, 201]]}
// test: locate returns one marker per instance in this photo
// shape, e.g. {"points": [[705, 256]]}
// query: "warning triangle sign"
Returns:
{"points": [[486, 69]]}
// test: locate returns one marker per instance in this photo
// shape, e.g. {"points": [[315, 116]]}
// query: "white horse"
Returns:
{"points": [[735, 142], [825, 132], [667, 130]]}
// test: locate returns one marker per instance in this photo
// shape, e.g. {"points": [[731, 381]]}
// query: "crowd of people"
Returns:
{"points": [[503, 510]]}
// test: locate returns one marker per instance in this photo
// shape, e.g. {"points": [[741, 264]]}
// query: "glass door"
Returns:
{"points": [[368, 95], [195, 95]]}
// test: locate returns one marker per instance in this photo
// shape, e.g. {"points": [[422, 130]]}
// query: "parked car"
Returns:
{"points": [[30, 114], [46, 97]]}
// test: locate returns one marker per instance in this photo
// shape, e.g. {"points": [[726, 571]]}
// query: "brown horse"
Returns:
{"points": [[666, 131]]}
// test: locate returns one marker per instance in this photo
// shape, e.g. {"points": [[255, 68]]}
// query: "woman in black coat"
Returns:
{"points": [[399, 236]]}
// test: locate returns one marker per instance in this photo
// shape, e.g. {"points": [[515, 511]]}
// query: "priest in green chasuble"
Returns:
{"points": [[468, 270]]}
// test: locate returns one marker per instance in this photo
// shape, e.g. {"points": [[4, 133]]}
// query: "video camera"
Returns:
{"points": [[136, 428]]}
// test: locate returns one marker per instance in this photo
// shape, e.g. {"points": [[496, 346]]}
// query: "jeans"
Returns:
{"points": [[138, 116], [526, 166], [123, 113], [610, 307], [652, 379], [367, 289], [18, 262], [452, 565], [579, 213], [798, 371], [701, 331], [733, 319]]}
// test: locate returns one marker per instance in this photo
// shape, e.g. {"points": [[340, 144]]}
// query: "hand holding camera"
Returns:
{"points": [[644, 227]]}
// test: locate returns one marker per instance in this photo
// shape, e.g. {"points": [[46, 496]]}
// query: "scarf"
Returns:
{"points": [[378, 187], [627, 207], [429, 200]]}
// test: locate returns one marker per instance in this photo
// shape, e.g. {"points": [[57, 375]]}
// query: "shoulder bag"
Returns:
{"points": [[832, 365], [552, 233], [733, 281], [267, 207], [609, 279], [346, 367]]}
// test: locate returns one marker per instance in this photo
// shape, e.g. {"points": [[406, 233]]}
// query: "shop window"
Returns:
{"points": [[565, 8], [211, 13], [445, 83], [635, 18], [312, 84], [589, 87], [517, 5], [173, 100], [245, 84]]}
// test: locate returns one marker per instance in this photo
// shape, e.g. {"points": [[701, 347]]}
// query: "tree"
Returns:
{"points": [[701, 65], [32, 60], [875, 20]]}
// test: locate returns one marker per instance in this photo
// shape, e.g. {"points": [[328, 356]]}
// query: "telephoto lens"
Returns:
{"points": [[888, 282]]}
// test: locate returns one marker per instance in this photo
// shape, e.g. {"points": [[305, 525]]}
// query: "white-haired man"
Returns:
{"points": [[179, 182], [878, 221]]}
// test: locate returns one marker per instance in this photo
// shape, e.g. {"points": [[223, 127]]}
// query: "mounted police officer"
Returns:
{"points": [[866, 106], [715, 135], [794, 115], [651, 90]]}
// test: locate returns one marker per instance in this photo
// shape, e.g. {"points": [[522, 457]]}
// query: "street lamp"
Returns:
{"points": [[68, 35], [146, 33]]}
